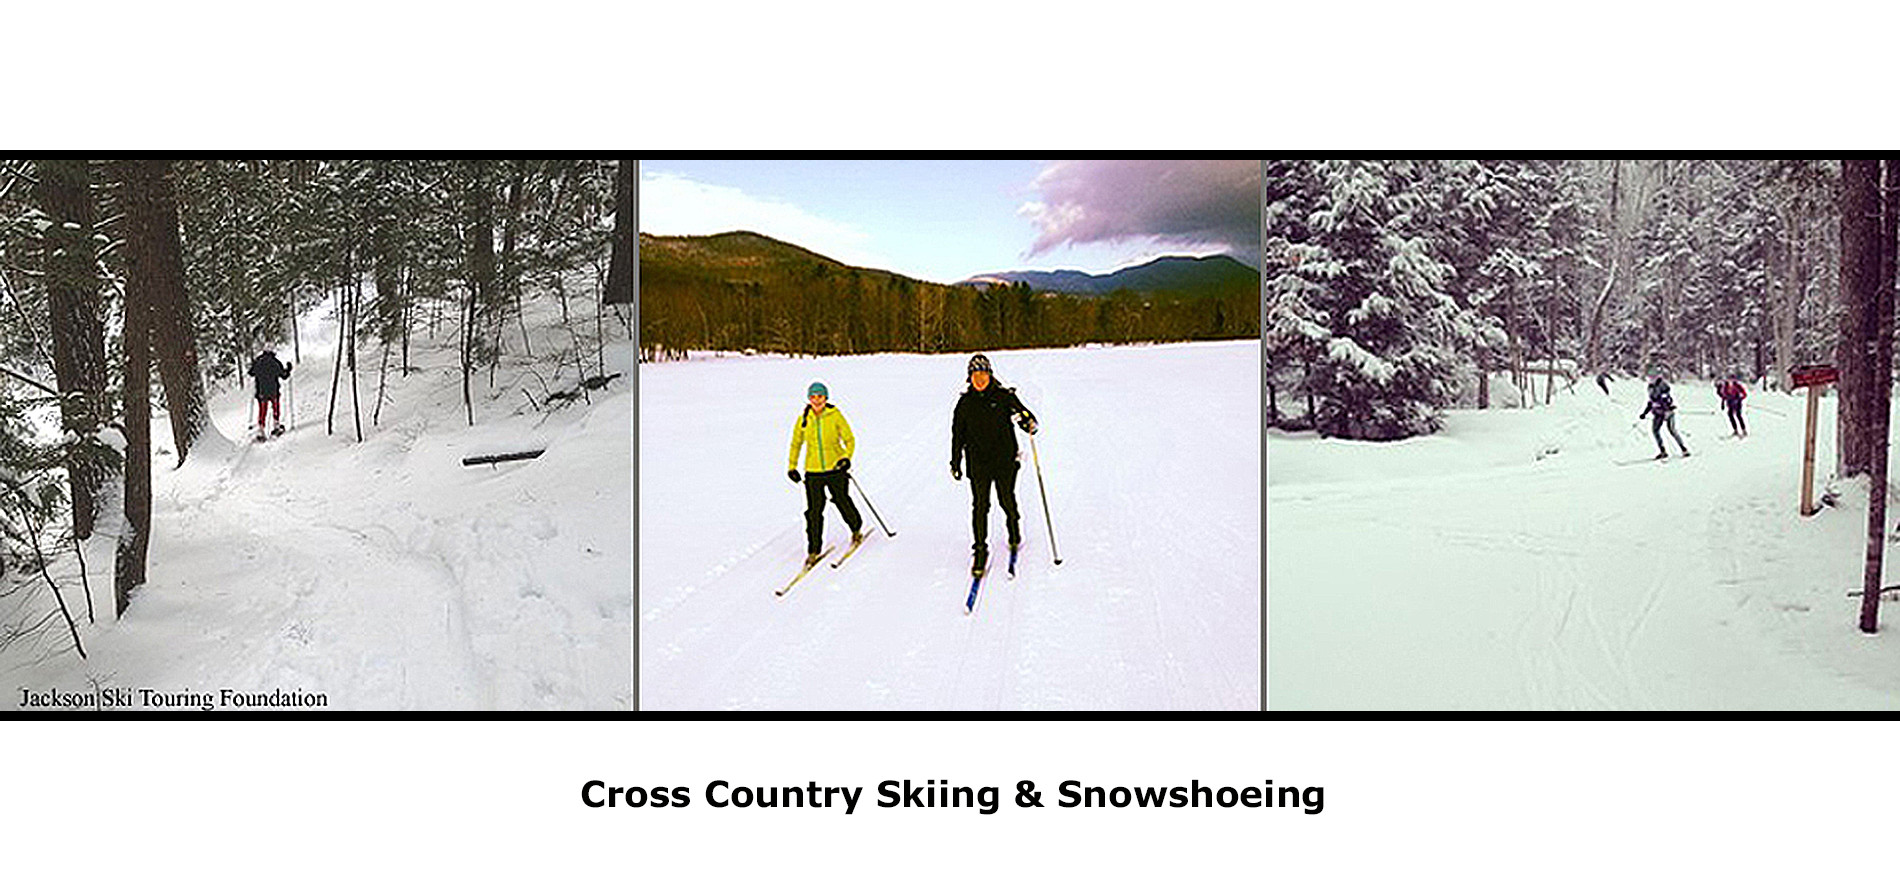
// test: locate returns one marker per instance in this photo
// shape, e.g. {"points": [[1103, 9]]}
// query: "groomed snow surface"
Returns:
{"points": [[1532, 559], [384, 574], [1152, 462]]}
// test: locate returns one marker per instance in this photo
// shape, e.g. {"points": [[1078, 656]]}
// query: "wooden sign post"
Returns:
{"points": [[1814, 378]]}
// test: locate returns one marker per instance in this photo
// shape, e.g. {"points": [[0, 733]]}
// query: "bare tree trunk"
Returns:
{"points": [[128, 570], [382, 369], [296, 351], [1880, 351], [1860, 276], [386, 248], [1784, 317], [336, 370], [468, 327], [408, 316], [73, 294], [620, 275], [356, 400], [1550, 344], [509, 268], [481, 260], [152, 203], [1593, 341]]}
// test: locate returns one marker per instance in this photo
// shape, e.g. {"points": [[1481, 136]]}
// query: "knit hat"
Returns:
{"points": [[817, 389], [979, 362]]}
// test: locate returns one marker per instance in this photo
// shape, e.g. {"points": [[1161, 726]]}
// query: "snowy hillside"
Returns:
{"points": [[1533, 559], [384, 574], [1152, 462]]}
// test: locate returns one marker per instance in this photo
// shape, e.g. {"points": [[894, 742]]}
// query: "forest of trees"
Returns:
{"points": [[745, 292], [1392, 284], [118, 275]]}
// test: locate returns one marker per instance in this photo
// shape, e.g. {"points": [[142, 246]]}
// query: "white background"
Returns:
{"points": [[1447, 793], [977, 75]]}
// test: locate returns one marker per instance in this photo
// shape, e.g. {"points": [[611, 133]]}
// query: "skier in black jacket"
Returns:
{"points": [[1662, 411], [981, 441], [267, 371]]}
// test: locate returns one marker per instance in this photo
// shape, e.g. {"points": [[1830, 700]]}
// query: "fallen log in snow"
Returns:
{"points": [[503, 457]]}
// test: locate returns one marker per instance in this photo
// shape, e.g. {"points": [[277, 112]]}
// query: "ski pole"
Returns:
{"points": [[867, 502], [1046, 521]]}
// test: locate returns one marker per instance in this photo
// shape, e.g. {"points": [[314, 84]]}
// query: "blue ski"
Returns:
{"points": [[976, 582]]}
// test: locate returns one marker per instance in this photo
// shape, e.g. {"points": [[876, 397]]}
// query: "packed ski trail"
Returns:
{"points": [[383, 574], [1536, 560], [1151, 456]]}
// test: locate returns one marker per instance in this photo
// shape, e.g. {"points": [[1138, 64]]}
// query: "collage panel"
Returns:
{"points": [[316, 435], [1579, 435], [949, 436]]}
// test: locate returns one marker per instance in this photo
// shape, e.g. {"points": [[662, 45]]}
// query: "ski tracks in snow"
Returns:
{"points": [[1596, 586], [1155, 607]]}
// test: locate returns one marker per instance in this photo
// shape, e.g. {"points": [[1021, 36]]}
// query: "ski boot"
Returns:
{"points": [[980, 562], [277, 431], [811, 558]]}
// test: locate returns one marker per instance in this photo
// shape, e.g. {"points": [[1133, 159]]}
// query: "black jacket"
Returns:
{"points": [[266, 370], [981, 429], [1660, 402]]}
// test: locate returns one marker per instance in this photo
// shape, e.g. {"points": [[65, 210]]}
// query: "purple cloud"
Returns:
{"points": [[1203, 204]]}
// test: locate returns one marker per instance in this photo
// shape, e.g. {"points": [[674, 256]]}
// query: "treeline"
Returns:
{"points": [[114, 274], [744, 292], [1398, 288]]}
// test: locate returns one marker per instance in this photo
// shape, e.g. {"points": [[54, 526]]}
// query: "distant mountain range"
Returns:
{"points": [[742, 291], [1192, 276], [749, 256]]}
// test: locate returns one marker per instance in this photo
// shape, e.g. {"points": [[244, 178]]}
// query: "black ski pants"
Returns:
{"points": [[1004, 481], [838, 484], [1735, 415], [1656, 427]]}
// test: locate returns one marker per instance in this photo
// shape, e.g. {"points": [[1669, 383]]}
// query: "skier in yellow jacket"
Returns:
{"points": [[826, 438]]}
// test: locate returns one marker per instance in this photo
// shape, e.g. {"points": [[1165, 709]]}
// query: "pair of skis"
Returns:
{"points": [[976, 579], [815, 560], [969, 603]]}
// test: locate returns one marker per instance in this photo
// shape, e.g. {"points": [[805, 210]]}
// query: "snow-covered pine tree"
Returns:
{"points": [[1390, 363]]}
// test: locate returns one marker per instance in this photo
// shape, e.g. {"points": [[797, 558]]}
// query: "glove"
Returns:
{"points": [[956, 473], [844, 464], [1027, 422], [794, 475]]}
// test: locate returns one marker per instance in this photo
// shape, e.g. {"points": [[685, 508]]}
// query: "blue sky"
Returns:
{"points": [[948, 220]]}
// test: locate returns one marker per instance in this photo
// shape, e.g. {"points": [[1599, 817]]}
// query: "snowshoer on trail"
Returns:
{"points": [[828, 443], [1732, 392], [1663, 408], [981, 441], [267, 371]]}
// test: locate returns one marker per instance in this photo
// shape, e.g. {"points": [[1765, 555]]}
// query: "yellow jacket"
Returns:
{"points": [[826, 436]]}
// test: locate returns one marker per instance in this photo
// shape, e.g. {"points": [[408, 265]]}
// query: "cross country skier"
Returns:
{"points": [[980, 440], [267, 371], [1663, 408], [1732, 392], [828, 442]]}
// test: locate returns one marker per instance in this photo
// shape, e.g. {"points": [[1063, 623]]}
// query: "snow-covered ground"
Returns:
{"points": [[1152, 461], [384, 574], [1531, 559]]}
